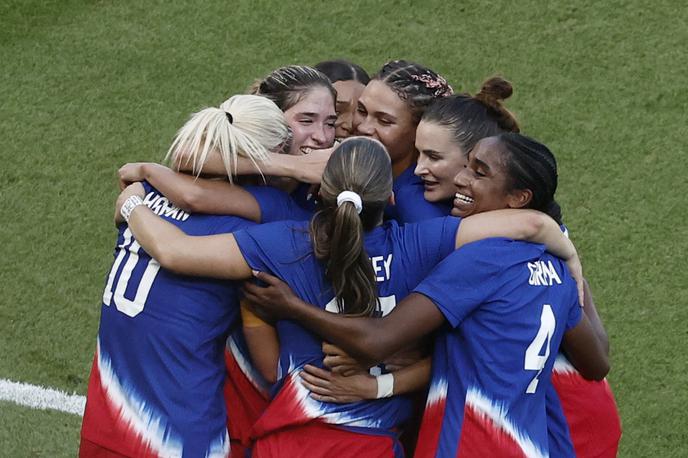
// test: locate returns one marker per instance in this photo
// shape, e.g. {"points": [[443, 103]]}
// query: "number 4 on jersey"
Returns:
{"points": [[534, 361]]}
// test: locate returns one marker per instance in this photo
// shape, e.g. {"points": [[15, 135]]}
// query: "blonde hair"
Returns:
{"points": [[244, 125]]}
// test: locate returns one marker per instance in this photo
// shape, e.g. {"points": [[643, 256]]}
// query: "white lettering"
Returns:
{"points": [[161, 206], [388, 266], [542, 274], [551, 272], [376, 260]]}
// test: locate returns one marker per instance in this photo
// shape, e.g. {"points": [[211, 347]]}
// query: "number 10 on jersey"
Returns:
{"points": [[129, 307]]}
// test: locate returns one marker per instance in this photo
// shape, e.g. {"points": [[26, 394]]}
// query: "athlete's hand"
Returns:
{"points": [[327, 386], [272, 301], [339, 362], [135, 189], [312, 164], [130, 173]]}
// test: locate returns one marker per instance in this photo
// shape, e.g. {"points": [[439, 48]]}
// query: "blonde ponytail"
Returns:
{"points": [[244, 125]]}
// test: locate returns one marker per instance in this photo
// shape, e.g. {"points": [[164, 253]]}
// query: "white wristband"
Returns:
{"points": [[129, 205], [385, 385]]}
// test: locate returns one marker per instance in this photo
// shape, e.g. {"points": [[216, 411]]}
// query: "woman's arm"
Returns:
{"points": [[585, 351], [216, 256], [306, 168], [262, 342], [332, 387], [591, 312], [529, 225], [195, 195], [369, 340]]}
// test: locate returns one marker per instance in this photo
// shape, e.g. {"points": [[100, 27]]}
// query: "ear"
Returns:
{"points": [[391, 200], [519, 198]]}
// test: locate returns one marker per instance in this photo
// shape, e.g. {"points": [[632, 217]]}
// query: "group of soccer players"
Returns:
{"points": [[370, 323]]}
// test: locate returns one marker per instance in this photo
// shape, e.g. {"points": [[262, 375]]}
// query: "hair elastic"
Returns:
{"points": [[230, 118], [350, 196]]}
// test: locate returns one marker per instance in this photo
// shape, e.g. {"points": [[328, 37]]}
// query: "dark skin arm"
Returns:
{"points": [[375, 339], [591, 312], [369, 340]]}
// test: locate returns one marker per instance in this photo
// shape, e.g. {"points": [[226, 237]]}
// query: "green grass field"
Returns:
{"points": [[90, 85]]}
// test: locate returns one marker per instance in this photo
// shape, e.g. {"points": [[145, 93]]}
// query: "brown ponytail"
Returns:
{"points": [[360, 165]]}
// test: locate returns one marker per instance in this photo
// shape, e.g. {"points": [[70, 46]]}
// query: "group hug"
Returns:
{"points": [[338, 265]]}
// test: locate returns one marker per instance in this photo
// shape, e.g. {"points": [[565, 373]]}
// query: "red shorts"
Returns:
{"points": [[591, 414], [320, 440], [88, 449], [245, 404]]}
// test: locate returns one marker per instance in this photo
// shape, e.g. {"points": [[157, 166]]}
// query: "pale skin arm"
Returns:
{"points": [[305, 168], [216, 256], [329, 386], [195, 195], [528, 225]]}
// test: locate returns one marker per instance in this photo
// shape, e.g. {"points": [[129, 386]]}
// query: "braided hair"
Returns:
{"points": [[531, 165], [417, 85]]}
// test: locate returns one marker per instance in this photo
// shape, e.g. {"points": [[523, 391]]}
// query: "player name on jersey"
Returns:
{"points": [[543, 274], [160, 205]]}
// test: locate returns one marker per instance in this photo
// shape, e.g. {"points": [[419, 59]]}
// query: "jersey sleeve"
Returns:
{"points": [[277, 205], [412, 207], [274, 247], [463, 281], [428, 242]]}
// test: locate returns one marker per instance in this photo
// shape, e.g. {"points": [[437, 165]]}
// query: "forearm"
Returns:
{"points": [[263, 344], [595, 322], [547, 232], [360, 337], [216, 256], [530, 225], [585, 351], [201, 195], [414, 377]]}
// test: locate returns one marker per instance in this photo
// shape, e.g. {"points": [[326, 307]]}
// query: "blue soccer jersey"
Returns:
{"points": [[277, 205], [507, 304], [401, 258], [157, 379], [410, 205]]}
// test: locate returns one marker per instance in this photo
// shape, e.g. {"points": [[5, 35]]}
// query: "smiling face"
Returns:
{"points": [[483, 185], [312, 121], [439, 160], [348, 93], [382, 115]]}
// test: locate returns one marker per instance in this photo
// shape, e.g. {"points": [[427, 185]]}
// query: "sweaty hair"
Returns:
{"points": [[470, 119], [343, 70], [415, 84], [286, 86], [531, 165], [244, 125], [361, 165]]}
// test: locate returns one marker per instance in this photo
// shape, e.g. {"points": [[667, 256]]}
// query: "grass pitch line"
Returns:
{"points": [[38, 397]]}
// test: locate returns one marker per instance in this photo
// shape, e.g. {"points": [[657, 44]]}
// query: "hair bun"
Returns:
{"points": [[495, 88]]}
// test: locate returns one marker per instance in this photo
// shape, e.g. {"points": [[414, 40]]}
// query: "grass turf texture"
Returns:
{"points": [[88, 86]]}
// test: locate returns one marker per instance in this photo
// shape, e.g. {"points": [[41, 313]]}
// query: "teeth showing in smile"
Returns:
{"points": [[463, 198]]}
